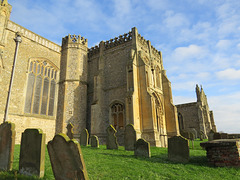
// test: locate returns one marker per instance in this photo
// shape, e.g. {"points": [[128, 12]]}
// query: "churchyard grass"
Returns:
{"points": [[120, 164]]}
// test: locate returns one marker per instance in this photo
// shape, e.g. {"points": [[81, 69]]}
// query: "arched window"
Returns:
{"points": [[117, 112], [40, 94], [159, 114], [180, 121]]}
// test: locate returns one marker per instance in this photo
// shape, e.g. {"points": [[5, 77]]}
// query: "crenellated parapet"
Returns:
{"points": [[118, 40], [142, 40], [94, 50], [111, 43], [74, 41]]}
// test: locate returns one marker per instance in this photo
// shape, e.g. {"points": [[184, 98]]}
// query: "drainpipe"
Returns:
{"points": [[18, 40]]}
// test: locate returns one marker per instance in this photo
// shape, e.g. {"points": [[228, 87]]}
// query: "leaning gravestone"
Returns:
{"points": [[178, 149], [129, 137], [66, 158], [7, 142], [94, 141], [84, 136], [142, 148], [111, 138], [70, 130], [32, 153]]}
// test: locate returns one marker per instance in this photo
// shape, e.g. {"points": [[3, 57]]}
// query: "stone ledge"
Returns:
{"points": [[220, 143]]}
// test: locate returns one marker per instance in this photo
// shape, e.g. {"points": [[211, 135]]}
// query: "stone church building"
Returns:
{"points": [[119, 81], [196, 116]]}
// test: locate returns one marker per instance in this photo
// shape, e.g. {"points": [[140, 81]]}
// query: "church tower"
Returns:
{"points": [[5, 11], [72, 97]]}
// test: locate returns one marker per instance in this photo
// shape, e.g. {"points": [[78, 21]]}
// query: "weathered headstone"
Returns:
{"points": [[70, 130], [111, 138], [7, 143], [84, 136], [94, 141], [185, 134], [178, 149], [210, 135], [32, 153], [66, 158], [142, 148], [129, 137]]}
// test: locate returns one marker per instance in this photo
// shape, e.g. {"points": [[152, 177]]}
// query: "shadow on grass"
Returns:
{"points": [[163, 158]]}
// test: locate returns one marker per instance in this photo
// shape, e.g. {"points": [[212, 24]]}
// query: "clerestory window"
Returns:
{"points": [[41, 87]]}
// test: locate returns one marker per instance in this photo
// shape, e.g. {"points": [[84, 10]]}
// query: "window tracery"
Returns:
{"points": [[41, 87]]}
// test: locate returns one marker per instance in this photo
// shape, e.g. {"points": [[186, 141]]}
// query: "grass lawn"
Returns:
{"points": [[120, 164]]}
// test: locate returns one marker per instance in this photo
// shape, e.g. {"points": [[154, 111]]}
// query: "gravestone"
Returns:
{"points": [[210, 135], [178, 149], [185, 134], [193, 130], [111, 138], [32, 153], [129, 137], [142, 148], [7, 143], [84, 136], [70, 130], [66, 158], [94, 141]]}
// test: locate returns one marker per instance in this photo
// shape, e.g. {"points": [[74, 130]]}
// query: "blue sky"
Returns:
{"points": [[199, 40]]}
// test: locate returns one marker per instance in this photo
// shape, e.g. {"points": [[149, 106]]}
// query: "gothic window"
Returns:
{"points": [[41, 87], [117, 112], [180, 121]]}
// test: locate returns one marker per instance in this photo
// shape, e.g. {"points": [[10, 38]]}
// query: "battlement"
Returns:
{"points": [[74, 39], [144, 43], [33, 36], [126, 37]]}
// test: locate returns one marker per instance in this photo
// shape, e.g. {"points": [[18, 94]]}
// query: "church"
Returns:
{"points": [[118, 82]]}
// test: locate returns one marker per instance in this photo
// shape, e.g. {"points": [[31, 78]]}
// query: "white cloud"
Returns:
{"points": [[190, 52], [224, 44], [226, 112], [175, 20], [229, 74]]}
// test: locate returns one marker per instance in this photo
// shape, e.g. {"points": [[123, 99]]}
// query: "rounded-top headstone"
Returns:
{"points": [[178, 149], [129, 137], [142, 148]]}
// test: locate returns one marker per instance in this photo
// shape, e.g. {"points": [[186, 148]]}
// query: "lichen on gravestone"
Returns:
{"points": [[142, 148], [111, 141], [94, 141], [66, 158], [129, 137], [32, 153], [84, 136]]}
